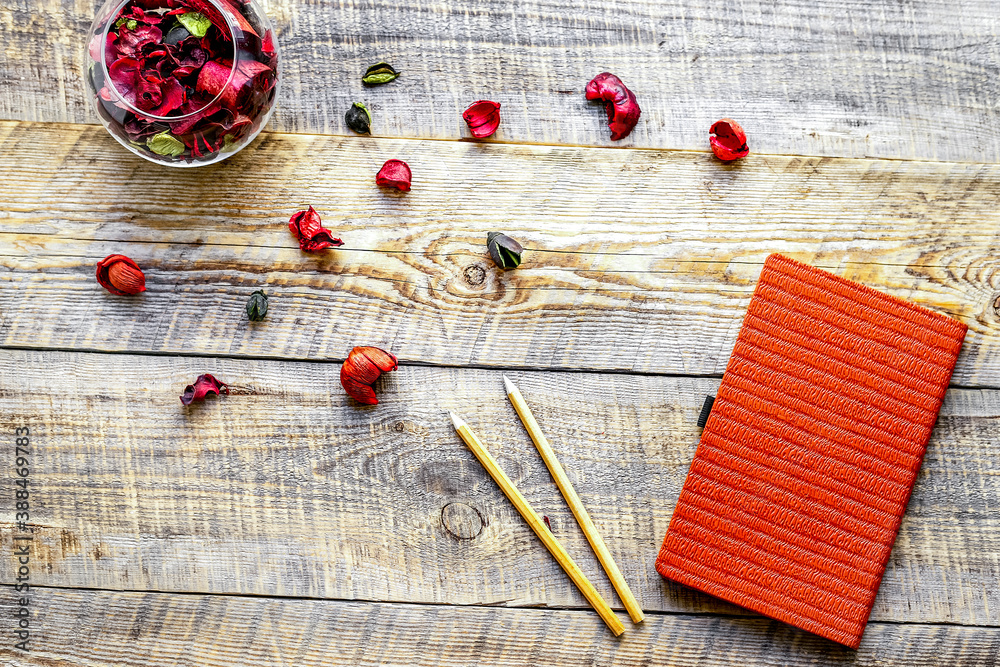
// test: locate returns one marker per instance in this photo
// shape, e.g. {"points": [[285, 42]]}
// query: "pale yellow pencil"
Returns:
{"points": [[574, 502], [538, 526]]}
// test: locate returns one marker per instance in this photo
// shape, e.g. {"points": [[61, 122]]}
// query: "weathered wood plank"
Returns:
{"points": [[287, 488], [87, 628], [649, 271], [847, 78]]}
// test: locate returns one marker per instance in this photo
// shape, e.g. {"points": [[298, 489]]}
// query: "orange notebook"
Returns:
{"points": [[810, 451]]}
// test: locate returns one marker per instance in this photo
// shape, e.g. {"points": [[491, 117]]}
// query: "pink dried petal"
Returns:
{"points": [[620, 104], [204, 385], [483, 118], [394, 174], [729, 141]]}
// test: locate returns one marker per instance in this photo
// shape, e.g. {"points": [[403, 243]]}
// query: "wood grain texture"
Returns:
{"points": [[650, 271], [286, 488], [848, 78], [87, 628]]}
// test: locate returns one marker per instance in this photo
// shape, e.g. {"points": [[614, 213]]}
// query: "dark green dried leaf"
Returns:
{"points": [[358, 118], [378, 74], [505, 251], [257, 306]]}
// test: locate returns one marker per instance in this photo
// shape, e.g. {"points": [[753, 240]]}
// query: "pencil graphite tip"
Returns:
{"points": [[457, 421], [509, 385]]}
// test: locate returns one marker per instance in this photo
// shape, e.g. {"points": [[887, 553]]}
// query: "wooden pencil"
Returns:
{"points": [[574, 502], [538, 526]]}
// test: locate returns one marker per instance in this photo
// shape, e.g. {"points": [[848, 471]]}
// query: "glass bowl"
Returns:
{"points": [[182, 82]]}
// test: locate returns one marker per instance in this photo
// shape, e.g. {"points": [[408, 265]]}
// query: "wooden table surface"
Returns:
{"points": [[286, 525]]}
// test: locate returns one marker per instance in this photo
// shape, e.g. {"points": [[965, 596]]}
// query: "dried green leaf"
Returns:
{"points": [[378, 74], [165, 143], [195, 23]]}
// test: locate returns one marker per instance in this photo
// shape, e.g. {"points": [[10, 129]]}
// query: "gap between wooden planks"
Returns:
{"points": [[285, 487], [163, 629], [851, 78], [638, 261]]}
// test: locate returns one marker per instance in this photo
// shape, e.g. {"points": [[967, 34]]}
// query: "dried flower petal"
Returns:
{"points": [[729, 141], [362, 367], [120, 275], [308, 229], [250, 75], [621, 105], [378, 74], [204, 385], [483, 118], [257, 306], [358, 118], [394, 174], [505, 251]]}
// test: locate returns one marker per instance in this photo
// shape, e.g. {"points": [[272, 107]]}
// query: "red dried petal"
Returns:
{"points": [[729, 141], [363, 366], [483, 118], [394, 174], [214, 75], [308, 229], [120, 275], [215, 16], [621, 105], [131, 42], [124, 75], [204, 385]]}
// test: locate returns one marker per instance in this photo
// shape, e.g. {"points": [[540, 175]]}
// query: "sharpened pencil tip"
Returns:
{"points": [[509, 385], [457, 421]]}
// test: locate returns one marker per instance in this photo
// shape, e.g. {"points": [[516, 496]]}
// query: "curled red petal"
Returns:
{"points": [[204, 385], [132, 42], [120, 275], [620, 103], [308, 229], [483, 118], [394, 174], [363, 366], [729, 141]]}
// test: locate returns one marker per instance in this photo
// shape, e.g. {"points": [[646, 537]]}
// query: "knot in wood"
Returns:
{"points": [[996, 306], [463, 522], [475, 274], [398, 427]]}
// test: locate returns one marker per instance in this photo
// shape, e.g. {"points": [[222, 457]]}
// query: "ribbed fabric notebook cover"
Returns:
{"points": [[805, 466]]}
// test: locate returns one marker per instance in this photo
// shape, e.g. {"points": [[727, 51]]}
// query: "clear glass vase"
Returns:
{"points": [[182, 82]]}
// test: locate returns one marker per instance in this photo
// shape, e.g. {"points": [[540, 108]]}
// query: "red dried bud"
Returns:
{"points": [[120, 275], [308, 229], [621, 105], [363, 366], [204, 385], [729, 141], [483, 118], [394, 174]]}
